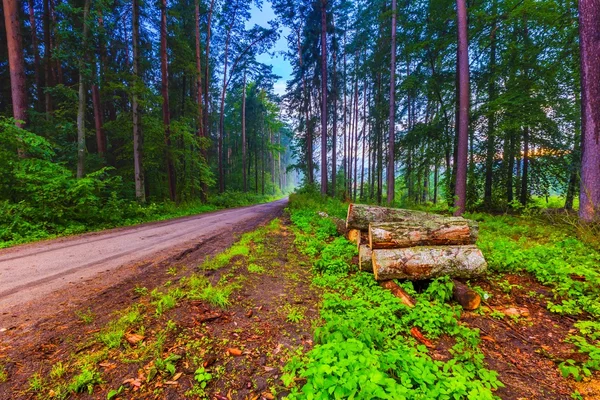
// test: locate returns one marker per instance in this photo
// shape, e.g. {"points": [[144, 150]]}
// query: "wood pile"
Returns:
{"points": [[405, 244]]}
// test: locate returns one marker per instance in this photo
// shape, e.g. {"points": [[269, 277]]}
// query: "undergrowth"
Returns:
{"points": [[553, 254], [364, 348]]}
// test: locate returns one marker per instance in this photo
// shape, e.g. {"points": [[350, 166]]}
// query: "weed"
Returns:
{"points": [[172, 271], [3, 374], [255, 269], [85, 381], [294, 314], [58, 370], [35, 383], [87, 317]]}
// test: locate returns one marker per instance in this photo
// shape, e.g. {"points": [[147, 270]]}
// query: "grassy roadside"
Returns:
{"points": [[18, 229]]}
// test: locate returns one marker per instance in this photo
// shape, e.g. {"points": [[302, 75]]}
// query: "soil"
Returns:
{"points": [[245, 346]]}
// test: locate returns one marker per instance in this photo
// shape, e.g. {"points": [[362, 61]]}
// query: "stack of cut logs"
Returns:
{"points": [[404, 244]]}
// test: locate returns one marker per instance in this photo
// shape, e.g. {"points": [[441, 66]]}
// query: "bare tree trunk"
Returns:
{"points": [[36, 57], [323, 97], [335, 117], [491, 144], [222, 117], [14, 40], [48, 73], [100, 139], [345, 122], [524, 189], [245, 178], [463, 109], [165, 94], [589, 42], [140, 189], [82, 95], [200, 116], [207, 71], [391, 169]]}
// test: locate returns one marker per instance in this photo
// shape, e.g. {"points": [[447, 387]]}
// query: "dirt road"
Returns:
{"points": [[30, 273]]}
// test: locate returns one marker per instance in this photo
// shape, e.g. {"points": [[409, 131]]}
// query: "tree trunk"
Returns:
{"points": [[165, 94], [82, 95], [490, 144], [463, 109], [323, 97], [335, 116], [417, 231], [207, 71], [140, 189], [48, 70], [14, 41], [416, 263], [524, 189], [200, 116], [100, 139], [589, 42], [390, 168], [36, 57], [245, 178]]}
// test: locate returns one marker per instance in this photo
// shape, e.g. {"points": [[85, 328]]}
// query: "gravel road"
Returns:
{"points": [[29, 273]]}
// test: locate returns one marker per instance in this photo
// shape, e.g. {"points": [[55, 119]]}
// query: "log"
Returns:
{"points": [[424, 262], [353, 235], [440, 231], [400, 293], [361, 215], [365, 262], [465, 296]]}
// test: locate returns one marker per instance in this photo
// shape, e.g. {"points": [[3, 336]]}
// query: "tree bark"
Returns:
{"points": [[463, 109], [490, 144], [207, 71], [100, 138], [524, 194], [140, 189], [361, 215], [245, 178], [400, 293], [589, 43], [365, 262], [36, 57], [335, 117], [165, 95], [422, 232], [465, 296], [416, 263], [390, 169], [200, 116], [14, 40], [323, 97], [82, 95]]}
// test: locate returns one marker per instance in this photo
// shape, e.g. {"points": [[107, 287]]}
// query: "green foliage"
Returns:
{"points": [[364, 348], [85, 381]]}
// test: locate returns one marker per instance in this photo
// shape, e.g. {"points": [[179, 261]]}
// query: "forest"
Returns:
{"points": [[411, 212], [478, 107]]}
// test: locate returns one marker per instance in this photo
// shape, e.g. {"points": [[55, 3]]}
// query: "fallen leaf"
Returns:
{"points": [[249, 314], [268, 396], [108, 365], [133, 338], [234, 352], [171, 383], [488, 338], [269, 369], [177, 376], [133, 382]]}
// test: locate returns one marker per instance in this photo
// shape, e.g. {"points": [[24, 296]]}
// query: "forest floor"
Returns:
{"points": [[241, 325]]}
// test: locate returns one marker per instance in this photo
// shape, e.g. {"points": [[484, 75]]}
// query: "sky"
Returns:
{"points": [[281, 66]]}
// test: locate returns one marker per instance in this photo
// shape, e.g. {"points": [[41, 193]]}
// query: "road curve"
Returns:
{"points": [[30, 272]]}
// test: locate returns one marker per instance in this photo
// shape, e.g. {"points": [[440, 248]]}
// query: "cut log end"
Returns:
{"points": [[365, 262], [465, 296]]}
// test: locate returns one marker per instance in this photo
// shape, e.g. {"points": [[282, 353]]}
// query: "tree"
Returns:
{"points": [[462, 67], [164, 68], [323, 97], [589, 39], [16, 62], [82, 93], [391, 170], [140, 189]]}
